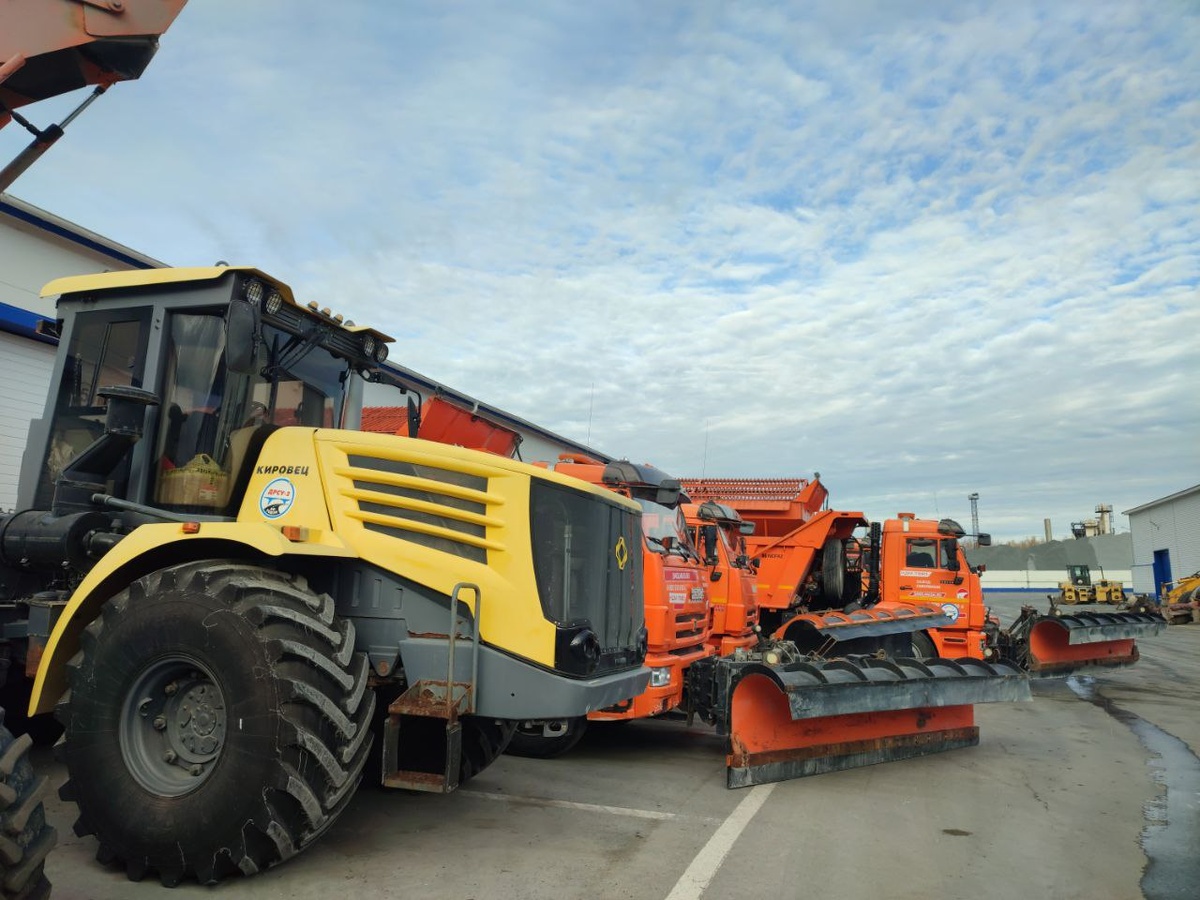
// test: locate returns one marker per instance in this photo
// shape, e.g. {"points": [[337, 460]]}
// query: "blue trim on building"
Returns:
{"points": [[27, 324], [72, 236], [1016, 590]]}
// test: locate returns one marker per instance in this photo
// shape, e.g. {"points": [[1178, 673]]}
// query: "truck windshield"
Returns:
{"points": [[211, 414], [661, 522]]}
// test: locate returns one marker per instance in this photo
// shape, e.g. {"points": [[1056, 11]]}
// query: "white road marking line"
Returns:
{"points": [[695, 880], [589, 807]]}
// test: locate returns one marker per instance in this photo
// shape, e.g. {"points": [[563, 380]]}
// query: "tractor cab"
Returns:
{"points": [[198, 372]]}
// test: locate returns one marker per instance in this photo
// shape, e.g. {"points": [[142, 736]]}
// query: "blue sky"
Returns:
{"points": [[925, 248]]}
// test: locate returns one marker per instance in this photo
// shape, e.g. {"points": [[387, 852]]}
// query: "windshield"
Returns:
{"points": [[665, 529], [210, 413]]}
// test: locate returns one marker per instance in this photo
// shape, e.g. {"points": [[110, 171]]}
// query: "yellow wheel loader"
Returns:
{"points": [[220, 586]]}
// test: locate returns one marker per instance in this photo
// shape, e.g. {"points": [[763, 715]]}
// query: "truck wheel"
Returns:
{"points": [[25, 838], [423, 740], [538, 741], [483, 741], [217, 722], [923, 646], [833, 574]]}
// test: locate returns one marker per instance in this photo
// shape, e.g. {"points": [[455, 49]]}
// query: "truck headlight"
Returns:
{"points": [[660, 677]]}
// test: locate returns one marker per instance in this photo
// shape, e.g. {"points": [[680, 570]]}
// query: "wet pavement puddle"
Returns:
{"points": [[1172, 830]]}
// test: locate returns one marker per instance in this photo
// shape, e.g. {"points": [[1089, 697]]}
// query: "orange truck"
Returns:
{"points": [[675, 594], [810, 588], [786, 713], [720, 533], [908, 563], [922, 560]]}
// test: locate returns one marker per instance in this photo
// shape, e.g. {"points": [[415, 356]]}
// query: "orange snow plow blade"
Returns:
{"points": [[1065, 643], [804, 718]]}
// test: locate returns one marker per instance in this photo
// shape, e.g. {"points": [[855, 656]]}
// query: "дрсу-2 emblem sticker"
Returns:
{"points": [[277, 498]]}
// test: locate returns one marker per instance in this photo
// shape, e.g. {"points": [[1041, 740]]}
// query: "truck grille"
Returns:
{"points": [[587, 557]]}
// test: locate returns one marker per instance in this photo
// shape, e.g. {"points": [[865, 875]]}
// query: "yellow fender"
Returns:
{"points": [[147, 549]]}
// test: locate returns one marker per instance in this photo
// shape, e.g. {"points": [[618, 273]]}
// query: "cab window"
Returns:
{"points": [[928, 553], [921, 553]]}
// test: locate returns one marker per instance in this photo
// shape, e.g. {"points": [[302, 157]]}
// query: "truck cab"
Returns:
{"points": [[923, 562], [720, 534], [675, 584]]}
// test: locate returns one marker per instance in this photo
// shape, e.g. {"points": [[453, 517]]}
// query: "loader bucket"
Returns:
{"points": [[806, 718], [1065, 643]]}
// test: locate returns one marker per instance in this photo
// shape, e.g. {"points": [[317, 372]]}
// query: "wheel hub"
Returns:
{"points": [[199, 723], [172, 726]]}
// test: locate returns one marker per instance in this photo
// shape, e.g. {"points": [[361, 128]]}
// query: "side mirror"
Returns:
{"points": [[708, 543], [241, 338], [715, 575], [414, 417], [952, 556], [668, 494], [983, 539]]}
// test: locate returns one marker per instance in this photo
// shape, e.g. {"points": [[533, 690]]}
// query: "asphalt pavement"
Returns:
{"points": [[1091, 791]]}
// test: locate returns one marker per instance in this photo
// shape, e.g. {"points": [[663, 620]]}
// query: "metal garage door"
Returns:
{"points": [[24, 379]]}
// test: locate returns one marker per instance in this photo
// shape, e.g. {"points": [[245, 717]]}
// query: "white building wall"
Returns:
{"points": [[33, 254], [36, 247], [1171, 524], [1042, 580]]}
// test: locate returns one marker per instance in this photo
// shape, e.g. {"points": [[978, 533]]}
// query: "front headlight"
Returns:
{"points": [[660, 677]]}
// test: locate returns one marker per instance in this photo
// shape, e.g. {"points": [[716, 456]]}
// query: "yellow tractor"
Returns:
{"points": [[1079, 588], [1181, 600], [222, 588]]}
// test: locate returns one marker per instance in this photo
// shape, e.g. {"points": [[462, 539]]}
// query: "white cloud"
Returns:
{"points": [[926, 249]]}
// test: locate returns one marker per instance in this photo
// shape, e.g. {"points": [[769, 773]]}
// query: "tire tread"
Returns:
{"points": [[325, 709]]}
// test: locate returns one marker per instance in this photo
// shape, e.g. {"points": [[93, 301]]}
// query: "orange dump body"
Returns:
{"points": [[776, 506], [446, 423], [47, 49], [787, 563], [809, 563]]}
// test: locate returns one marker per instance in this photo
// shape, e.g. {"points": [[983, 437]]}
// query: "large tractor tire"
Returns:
{"points": [[534, 740], [217, 722], [25, 838]]}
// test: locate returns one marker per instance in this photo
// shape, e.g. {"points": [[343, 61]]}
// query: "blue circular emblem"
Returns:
{"points": [[277, 498]]}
